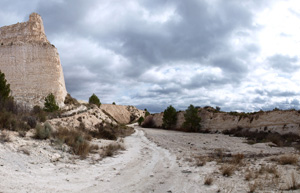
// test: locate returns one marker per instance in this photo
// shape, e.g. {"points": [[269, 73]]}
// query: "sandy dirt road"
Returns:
{"points": [[142, 167], [156, 163]]}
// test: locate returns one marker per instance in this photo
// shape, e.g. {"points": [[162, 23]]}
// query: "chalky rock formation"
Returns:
{"points": [[30, 63]]}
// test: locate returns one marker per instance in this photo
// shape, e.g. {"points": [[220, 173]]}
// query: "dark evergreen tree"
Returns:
{"points": [[50, 104], [169, 118], [94, 100], [192, 120]]}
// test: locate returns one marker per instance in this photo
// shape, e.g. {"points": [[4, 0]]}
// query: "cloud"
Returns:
{"points": [[284, 63], [154, 53]]}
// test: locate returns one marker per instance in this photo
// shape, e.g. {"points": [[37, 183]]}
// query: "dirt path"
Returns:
{"points": [[155, 165], [142, 167]]}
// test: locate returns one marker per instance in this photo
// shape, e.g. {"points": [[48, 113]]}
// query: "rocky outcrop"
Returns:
{"points": [[123, 114], [271, 121], [31, 64]]}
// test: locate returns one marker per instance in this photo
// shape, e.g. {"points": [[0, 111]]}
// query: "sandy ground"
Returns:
{"points": [[162, 164]]}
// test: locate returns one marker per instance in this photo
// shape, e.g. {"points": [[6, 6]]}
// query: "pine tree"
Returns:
{"points": [[192, 120], [94, 100], [4, 87], [169, 118], [50, 104]]}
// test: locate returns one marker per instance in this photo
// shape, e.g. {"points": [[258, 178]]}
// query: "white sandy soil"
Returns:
{"points": [[143, 167]]}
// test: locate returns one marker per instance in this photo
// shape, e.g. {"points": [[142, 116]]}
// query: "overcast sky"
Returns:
{"points": [[239, 55]]}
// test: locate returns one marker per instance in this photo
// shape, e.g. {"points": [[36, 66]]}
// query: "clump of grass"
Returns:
{"points": [[111, 149], [252, 187], [288, 160], [43, 131], [293, 183], [237, 158], [77, 140], [208, 180], [5, 137], [227, 170], [200, 161]]}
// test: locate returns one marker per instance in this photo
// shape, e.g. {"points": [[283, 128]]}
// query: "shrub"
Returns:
{"points": [[4, 88], [146, 113], [94, 100], [148, 122], [77, 140], [50, 104], [169, 117], [140, 120], [69, 100], [43, 132], [31, 121], [111, 149], [5, 137], [208, 180], [104, 132], [192, 120], [227, 170], [288, 159]]}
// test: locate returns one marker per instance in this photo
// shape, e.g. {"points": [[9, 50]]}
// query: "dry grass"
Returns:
{"points": [[111, 149], [200, 161], [208, 180], [5, 137], [237, 158], [292, 183], [77, 140], [227, 170], [249, 175], [253, 187], [288, 160]]}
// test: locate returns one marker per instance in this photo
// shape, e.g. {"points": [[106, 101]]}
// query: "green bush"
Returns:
{"points": [[94, 100], [43, 132], [4, 87], [50, 104], [192, 120], [169, 118], [146, 113], [140, 120]]}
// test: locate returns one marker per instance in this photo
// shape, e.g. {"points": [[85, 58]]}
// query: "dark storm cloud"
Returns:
{"points": [[114, 48], [284, 63]]}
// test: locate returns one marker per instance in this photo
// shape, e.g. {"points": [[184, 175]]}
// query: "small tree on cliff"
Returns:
{"points": [[169, 118], [4, 88], [192, 120], [94, 100], [50, 104], [146, 113]]}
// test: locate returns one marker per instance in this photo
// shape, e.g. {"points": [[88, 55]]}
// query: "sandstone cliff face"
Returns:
{"points": [[273, 121], [31, 64], [123, 114]]}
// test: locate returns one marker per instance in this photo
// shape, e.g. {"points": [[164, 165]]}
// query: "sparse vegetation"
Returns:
{"points": [[227, 170], [208, 180], [94, 100], [148, 122], [253, 187], [111, 149], [4, 88], [169, 117], [69, 100], [43, 131], [5, 137], [50, 104], [77, 140], [140, 120], [288, 160], [293, 182]]}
